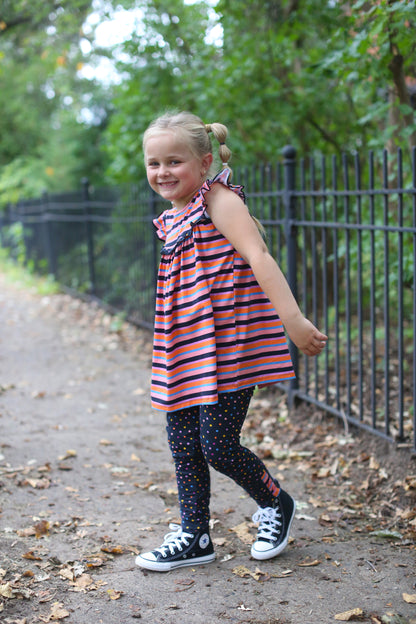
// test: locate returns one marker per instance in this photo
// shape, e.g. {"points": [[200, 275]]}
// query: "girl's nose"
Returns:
{"points": [[163, 170]]}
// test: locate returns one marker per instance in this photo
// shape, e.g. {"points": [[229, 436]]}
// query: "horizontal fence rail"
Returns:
{"points": [[343, 231]]}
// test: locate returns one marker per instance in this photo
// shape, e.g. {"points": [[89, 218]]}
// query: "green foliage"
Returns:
{"points": [[168, 68], [45, 144], [326, 77]]}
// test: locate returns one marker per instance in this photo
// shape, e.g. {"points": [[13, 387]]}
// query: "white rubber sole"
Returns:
{"points": [[166, 566]]}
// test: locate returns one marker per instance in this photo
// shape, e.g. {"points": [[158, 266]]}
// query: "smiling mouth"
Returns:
{"points": [[168, 184]]}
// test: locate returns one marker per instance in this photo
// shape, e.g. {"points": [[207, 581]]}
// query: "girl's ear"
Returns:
{"points": [[206, 162]]}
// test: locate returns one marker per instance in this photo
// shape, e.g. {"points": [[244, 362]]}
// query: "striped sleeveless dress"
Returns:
{"points": [[215, 329]]}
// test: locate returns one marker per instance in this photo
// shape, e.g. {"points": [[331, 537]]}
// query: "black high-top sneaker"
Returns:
{"points": [[179, 549], [274, 526]]}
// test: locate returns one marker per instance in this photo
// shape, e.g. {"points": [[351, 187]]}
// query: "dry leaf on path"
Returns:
{"points": [[82, 583], [257, 575], [187, 584], [42, 528], [31, 556], [352, 614], [113, 550], [57, 613], [309, 564], [243, 532], [6, 591], [114, 594], [410, 598]]}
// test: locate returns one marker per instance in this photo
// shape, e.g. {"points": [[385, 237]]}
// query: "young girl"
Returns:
{"points": [[221, 301]]}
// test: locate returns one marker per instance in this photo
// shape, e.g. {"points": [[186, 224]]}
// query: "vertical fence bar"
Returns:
{"points": [[347, 283], [414, 295], [325, 277], [386, 294], [52, 264], [400, 300], [314, 268], [305, 302], [373, 308], [335, 282], [89, 235], [289, 163], [359, 290], [155, 254]]}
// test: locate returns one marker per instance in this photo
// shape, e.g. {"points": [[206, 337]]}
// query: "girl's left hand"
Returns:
{"points": [[306, 336]]}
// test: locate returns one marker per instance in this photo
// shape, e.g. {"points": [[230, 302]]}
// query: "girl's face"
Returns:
{"points": [[172, 169]]}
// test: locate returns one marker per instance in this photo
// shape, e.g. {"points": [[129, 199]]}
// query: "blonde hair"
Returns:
{"points": [[195, 132]]}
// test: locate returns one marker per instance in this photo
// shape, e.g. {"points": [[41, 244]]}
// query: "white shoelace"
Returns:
{"points": [[174, 541], [267, 517]]}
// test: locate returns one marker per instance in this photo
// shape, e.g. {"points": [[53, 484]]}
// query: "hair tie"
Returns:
{"points": [[222, 143]]}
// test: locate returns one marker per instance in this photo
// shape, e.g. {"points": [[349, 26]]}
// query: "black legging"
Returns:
{"points": [[210, 435]]}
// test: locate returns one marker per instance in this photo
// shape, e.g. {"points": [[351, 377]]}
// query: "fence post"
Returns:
{"points": [[88, 229], [52, 265], [153, 215], [289, 164]]}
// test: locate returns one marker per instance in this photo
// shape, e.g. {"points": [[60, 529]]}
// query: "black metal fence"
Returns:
{"points": [[343, 230]]}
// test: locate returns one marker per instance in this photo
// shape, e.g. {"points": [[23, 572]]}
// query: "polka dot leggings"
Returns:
{"points": [[210, 435]]}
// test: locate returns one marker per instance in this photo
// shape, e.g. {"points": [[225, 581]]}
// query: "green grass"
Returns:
{"points": [[20, 277]]}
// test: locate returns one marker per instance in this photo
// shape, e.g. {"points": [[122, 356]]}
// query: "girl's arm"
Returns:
{"points": [[232, 219]]}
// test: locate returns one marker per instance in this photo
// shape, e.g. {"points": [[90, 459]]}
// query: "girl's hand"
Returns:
{"points": [[306, 336]]}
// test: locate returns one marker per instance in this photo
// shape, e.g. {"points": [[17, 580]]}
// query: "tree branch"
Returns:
{"points": [[325, 134]]}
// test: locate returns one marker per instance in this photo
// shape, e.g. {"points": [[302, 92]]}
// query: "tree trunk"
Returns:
{"points": [[399, 94]]}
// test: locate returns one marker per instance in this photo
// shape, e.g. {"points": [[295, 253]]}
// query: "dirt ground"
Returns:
{"points": [[86, 482]]}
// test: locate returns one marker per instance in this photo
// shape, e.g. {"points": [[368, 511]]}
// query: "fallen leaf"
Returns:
{"points": [[82, 582], [243, 572], [113, 550], [187, 583], [26, 532], [309, 564], [41, 528], [58, 612], [352, 614], [69, 453], [104, 442], [387, 534], [31, 556], [6, 591], [95, 562], [37, 484], [373, 465], [113, 594], [46, 595], [410, 598], [66, 573], [243, 532]]}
